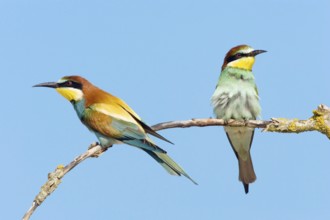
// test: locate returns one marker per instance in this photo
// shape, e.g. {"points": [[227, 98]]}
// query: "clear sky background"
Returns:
{"points": [[163, 58]]}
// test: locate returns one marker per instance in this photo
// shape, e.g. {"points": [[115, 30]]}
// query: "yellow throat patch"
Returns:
{"points": [[243, 63], [70, 93]]}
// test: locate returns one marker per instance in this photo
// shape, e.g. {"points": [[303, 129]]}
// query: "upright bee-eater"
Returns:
{"points": [[236, 97], [112, 120]]}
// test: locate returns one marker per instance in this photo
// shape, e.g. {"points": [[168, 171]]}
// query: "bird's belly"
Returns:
{"points": [[235, 103]]}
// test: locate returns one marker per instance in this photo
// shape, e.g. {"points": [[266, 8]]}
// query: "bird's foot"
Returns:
{"points": [[245, 121], [99, 152], [94, 144]]}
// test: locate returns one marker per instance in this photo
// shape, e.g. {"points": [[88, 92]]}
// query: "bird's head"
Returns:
{"points": [[241, 56], [70, 87]]}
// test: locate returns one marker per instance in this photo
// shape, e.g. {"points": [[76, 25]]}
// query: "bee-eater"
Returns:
{"points": [[112, 120], [236, 97]]}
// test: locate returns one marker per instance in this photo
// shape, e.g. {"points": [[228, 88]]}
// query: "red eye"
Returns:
{"points": [[68, 83]]}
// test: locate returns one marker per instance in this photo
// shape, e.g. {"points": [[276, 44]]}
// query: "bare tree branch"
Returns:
{"points": [[320, 121]]}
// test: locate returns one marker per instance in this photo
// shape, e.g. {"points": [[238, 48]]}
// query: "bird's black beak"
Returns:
{"points": [[256, 52], [47, 84]]}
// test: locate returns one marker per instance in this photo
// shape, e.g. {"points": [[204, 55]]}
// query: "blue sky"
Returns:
{"points": [[163, 58]]}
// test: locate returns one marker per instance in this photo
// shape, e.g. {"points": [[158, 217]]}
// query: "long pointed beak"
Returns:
{"points": [[47, 84], [256, 52]]}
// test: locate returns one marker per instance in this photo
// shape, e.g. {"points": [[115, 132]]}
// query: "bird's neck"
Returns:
{"points": [[237, 73], [79, 106]]}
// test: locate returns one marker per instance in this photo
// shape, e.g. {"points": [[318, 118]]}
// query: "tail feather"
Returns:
{"points": [[240, 140], [246, 172], [145, 144], [170, 166]]}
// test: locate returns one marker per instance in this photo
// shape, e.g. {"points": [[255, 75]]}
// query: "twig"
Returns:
{"points": [[320, 121], [211, 122], [54, 178]]}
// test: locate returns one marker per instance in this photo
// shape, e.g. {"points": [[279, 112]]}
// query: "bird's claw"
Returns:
{"points": [[245, 121], [101, 151], [93, 145]]}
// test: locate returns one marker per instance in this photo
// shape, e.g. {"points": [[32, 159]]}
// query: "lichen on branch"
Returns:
{"points": [[320, 121]]}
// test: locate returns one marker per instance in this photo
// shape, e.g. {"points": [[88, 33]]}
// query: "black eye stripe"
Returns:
{"points": [[70, 84], [238, 56]]}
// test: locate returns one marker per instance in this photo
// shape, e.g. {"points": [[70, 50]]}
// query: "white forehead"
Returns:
{"points": [[246, 50], [62, 80]]}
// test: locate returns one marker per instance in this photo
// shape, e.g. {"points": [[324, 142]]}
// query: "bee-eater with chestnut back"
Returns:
{"points": [[236, 97], [112, 120]]}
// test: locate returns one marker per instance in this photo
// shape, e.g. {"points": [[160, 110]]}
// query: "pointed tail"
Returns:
{"points": [[240, 140], [246, 172], [170, 166]]}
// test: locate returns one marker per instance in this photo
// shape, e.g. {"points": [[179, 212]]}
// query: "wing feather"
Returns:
{"points": [[117, 124]]}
